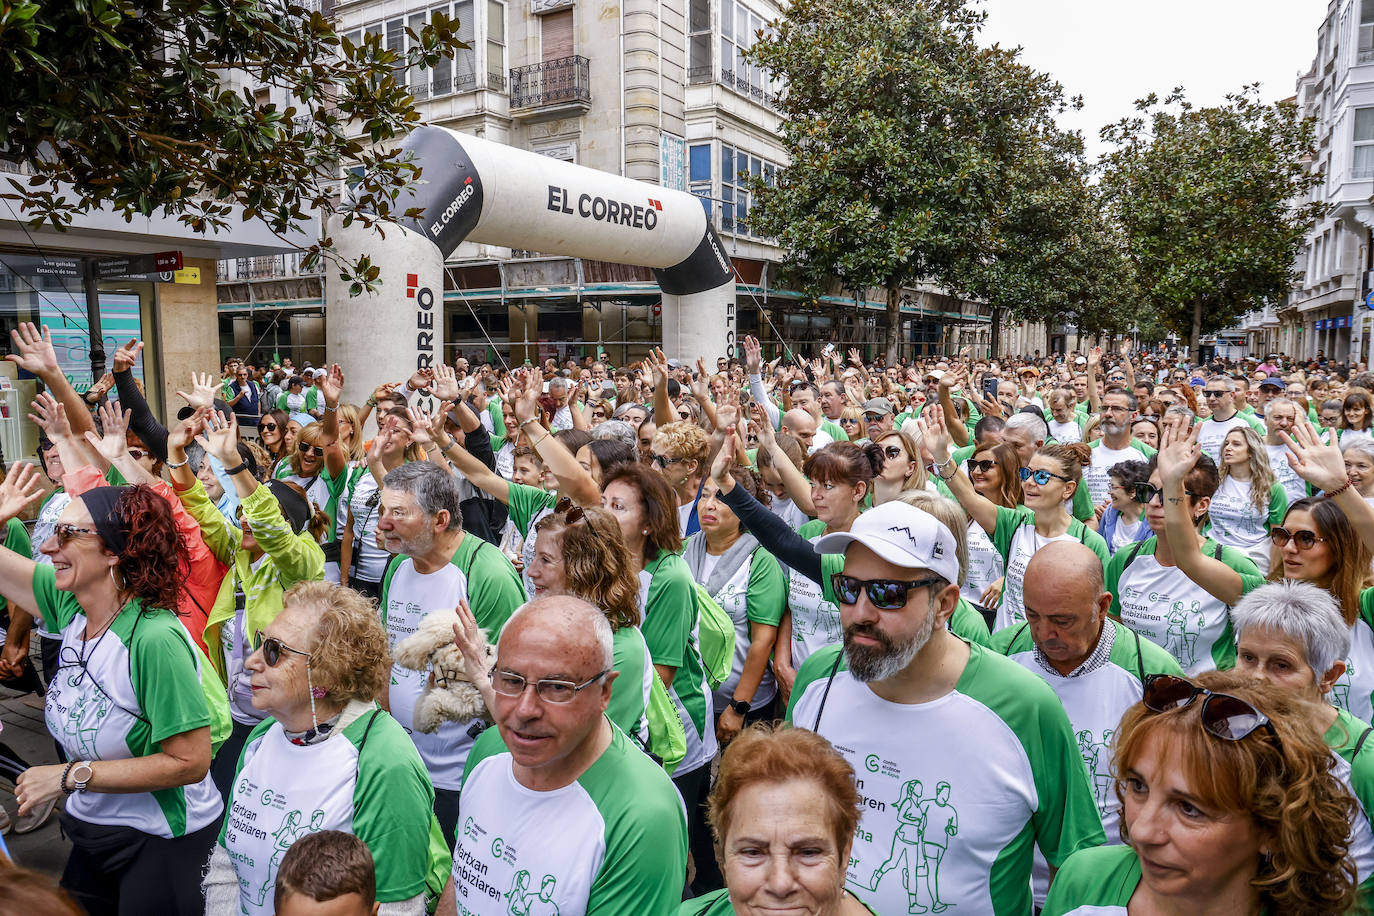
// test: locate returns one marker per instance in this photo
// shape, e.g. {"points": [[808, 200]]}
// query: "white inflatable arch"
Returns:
{"points": [[476, 190]]}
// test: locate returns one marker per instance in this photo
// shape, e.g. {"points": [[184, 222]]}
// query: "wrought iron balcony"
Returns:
{"points": [[551, 88]]}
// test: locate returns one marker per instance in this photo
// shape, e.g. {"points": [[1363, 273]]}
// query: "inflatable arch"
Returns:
{"points": [[476, 190]]}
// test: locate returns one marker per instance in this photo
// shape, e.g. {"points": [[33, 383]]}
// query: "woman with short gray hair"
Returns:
{"points": [[1292, 634]]}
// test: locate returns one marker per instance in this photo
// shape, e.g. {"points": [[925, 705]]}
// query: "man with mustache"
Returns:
{"points": [[1095, 665], [905, 699]]}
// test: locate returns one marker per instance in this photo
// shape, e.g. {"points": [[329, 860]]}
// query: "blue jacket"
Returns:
{"points": [[1107, 527]]}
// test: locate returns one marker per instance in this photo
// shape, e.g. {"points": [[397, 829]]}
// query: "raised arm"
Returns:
{"points": [[1094, 396], [20, 489], [657, 363], [574, 481], [331, 389], [978, 507], [753, 366], [1178, 454], [1323, 466], [957, 429], [51, 416], [1126, 362], [793, 480], [773, 533], [34, 353]]}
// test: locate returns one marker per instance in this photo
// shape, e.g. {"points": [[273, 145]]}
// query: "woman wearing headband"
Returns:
{"points": [[126, 703], [1229, 805]]}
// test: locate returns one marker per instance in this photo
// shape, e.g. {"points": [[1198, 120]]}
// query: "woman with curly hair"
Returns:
{"points": [[1250, 500], [327, 758], [1229, 805], [126, 702]]}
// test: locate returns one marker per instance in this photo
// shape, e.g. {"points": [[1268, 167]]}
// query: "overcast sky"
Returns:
{"points": [[1113, 53]]}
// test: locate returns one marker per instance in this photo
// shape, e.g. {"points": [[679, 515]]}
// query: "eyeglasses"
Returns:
{"points": [[272, 648], [137, 454], [1042, 477], [663, 460], [1214, 394], [307, 448], [983, 466], [64, 532], [268, 427], [894, 452], [849, 421], [874, 417], [1305, 540], [1223, 716], [885, 594], [1145, 493], [550, 690]]}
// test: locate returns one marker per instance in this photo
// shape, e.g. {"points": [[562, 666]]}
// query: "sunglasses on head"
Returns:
{"points": [[885, 594], [305, 447], [64, 532], [1223, 716], [984, 465], [1042, 476], [1305, 540], [571, 512], [272, 648]]}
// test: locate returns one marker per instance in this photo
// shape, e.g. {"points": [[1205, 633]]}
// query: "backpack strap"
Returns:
{"points": [[1024, 628], [830, 679], [1139, 658], [1360, 743], [1130, 557]]}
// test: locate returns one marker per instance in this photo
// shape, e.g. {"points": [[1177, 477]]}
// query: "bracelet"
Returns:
{"points": [[242, 466], [371, 401], [173, 465], [944, 464], [1341, 489], [328, 409], [535, 442], [63, 783], [524, 423]]}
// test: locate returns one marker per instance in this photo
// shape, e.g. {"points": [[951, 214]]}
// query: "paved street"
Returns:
{"points": [[45, 849]]}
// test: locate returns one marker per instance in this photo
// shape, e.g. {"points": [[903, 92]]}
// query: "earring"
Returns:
{"points": [[646, 532]]}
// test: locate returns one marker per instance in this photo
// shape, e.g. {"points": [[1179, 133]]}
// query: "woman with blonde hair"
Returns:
{"points": [[1249, 500], [1229, 805], [899, 457]]}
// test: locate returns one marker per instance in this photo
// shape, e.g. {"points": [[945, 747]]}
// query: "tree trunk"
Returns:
{"points": [[996, 333], [894, 324], [1193, 342]]}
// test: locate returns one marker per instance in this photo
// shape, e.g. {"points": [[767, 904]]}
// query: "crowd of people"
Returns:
{"points": [[1076, 634]]}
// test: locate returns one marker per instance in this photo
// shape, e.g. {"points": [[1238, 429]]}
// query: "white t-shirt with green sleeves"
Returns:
{"points": [[985, 564], [956, 793], [756, 593], [366, 780], [613, 843], [630, 690], [1015, 538], [1237, 523], [118, 697], [478, 573], [1356, 771], [1095, 882], [527, 506], [1175, 613], [815, 620]]}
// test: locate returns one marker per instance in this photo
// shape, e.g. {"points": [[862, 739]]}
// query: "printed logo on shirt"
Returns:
{"points": [[926, 825], [1097, 756], [1340, 691], [84, 717], [525, 901], [1186, 623]]}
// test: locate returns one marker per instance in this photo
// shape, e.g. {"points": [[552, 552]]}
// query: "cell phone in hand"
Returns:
{"points": [[990, 387]]}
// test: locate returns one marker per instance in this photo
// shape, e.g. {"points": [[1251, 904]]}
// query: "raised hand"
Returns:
{"points": [[527, 390], [420, 379], [332, 385], [421, 427], [472, 643], [724, 461], [202, 393], [126, 357], [931, 423], [701, 389], [33, 351], [111, 445], [1094, 357], [221, 438], [50, 416], [20, 489], [727, 415], [445, 386], [1178, 454], [383, 391], [658, 365], [753, 355], [1313, 460], [855, 359], [767, 438], [182, 434]]}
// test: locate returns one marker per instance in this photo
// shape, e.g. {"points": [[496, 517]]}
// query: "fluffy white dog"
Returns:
{"points": [[449, 694]]}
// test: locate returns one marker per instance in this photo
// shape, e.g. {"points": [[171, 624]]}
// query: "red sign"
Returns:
{"points": [[167, 260]]}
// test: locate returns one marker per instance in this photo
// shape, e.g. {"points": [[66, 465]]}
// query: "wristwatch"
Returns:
{"points": [[80, 781], [740, 706]]}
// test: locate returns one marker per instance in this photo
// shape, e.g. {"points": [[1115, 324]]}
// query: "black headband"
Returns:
{"points": [[102, 503]]}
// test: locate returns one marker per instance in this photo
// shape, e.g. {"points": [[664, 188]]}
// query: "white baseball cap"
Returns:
{"points": [[902, 535]]}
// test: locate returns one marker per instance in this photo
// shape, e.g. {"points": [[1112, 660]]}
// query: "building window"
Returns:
{"points": [[699, 41], [1364, 144], [496, 44], [447, 76], [1366, 40], [699, 174]]}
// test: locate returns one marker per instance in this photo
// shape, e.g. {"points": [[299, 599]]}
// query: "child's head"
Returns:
{"points": [[328, 873]]}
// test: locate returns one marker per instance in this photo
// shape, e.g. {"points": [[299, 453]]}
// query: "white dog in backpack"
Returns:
{"points": [[449, 693]]}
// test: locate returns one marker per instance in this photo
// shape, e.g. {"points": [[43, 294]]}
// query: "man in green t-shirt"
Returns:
{"points": [[562, 813]]}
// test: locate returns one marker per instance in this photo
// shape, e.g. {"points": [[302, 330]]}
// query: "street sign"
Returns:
{"points": [[132, 265], [58, 267], [187, 275], [1369, 300]]}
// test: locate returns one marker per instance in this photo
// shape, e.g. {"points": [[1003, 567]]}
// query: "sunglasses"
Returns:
{"points": [[306, 448], [849, 421], [272, 648], [1305, 540], [894, 452], [1223, 716], [269, 427], [663, 461], [1042, 477], [137, 454], [572, 513], [1214, 394], [64, 532], [874, 417], [983, 466], [885, 594], [1145, 493]]}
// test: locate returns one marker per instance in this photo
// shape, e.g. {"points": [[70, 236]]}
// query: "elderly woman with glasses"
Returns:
{"points": [[1292, 635], [326, 758], [126, 704], [1229, 805]]}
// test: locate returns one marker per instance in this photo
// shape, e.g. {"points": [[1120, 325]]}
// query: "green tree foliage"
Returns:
{"points": [[1212, 203], [127, 104], [898, 128]]}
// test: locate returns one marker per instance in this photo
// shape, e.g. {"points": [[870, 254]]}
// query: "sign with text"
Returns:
{"points": [[135, 264]]}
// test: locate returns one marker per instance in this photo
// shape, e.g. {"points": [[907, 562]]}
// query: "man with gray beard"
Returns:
{"points": [[1116, 444], [911, 705]]}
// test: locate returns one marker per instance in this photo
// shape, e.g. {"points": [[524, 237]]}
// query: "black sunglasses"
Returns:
{"points": [[893, 451], [1223, 716], [305, 447], [886, 594], [1306, 540], [272, 648], [663, 460], [984, 465], [1146, 493], [571, 512], [270, 427]]}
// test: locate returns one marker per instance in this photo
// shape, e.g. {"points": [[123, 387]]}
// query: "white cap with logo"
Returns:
{"points": [[902, 535]]}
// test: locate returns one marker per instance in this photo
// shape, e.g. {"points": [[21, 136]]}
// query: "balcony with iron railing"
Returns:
{"points": [[264, 267], [551, 89]]}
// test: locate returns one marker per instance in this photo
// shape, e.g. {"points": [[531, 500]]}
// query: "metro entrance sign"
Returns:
{"points": [[132, 265]]}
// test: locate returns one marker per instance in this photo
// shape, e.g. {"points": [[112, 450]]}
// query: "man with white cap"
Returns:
{"points": [[966, 760]]}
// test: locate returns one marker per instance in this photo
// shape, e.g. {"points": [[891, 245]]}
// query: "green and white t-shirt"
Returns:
{"points": [[985, 564], [1065, 433], [955, 793], [1356, 771], [1094, 701], [1236, 523], [718, 903], [815, 616], [527, 506], [671, 627], [482, 575], [1175, 613], [1096, 477], [1212, 433], [118, 697], [1015, 538], [366, 780], [1354, 691], [1293, 485], [613, 843], [630, 691], [1094, 882], [756, 593]]}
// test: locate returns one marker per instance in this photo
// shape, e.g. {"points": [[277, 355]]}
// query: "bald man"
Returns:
{"points": [[1094, 664], [801, 426], [561, 812]]}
